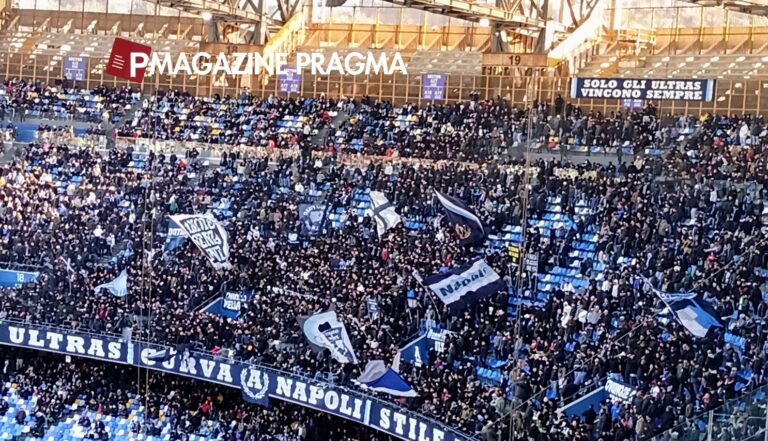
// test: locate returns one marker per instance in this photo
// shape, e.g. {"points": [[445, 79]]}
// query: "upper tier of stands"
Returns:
{"points": [[680, 66]]}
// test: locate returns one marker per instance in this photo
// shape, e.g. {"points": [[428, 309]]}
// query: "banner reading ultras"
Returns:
{"points": [[252, 380], [646, 89]]}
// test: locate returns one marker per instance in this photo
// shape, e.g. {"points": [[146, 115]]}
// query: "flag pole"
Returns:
{"points": [[430, 293], [526, 181]]}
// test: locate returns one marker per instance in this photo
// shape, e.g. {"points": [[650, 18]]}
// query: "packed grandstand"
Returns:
{"points": [[592, 254]]}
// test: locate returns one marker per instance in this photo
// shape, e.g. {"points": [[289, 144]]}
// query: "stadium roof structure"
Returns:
{"points": [[495, 46], [245, 11], [755, 7], [681, 66]]}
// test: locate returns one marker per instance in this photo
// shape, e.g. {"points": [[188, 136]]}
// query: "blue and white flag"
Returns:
{"points": [[378, 377], [466, 224], [373, 309], [689, 309], [465, 285], [417, 350], [694, 313], [209, 236], [230, 304], [312, 218], [383, 212], [175, 236], [118, 287], [325, 331]]}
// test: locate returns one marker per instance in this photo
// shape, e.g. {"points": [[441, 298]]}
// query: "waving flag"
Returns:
{"points": [[68, 264], [379, 378], [416, 351], [118, 287], [694, 313], [383, 212], [208, 234], [690, 310], [465, 223], [465, 285], [325, 331], [312, 218], [175, 236]]}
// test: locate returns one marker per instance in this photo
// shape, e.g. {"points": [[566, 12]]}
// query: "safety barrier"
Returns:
{"points": [[212, 153], [257, 382], [743, 418]]}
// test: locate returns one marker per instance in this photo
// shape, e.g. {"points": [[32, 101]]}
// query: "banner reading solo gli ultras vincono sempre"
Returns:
{"points": [[646, 89]]}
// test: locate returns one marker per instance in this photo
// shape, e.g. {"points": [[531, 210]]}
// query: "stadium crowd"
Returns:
{"points": [[90, 391], [473, 130], [690, 220], [21, 99], [178, 116]]}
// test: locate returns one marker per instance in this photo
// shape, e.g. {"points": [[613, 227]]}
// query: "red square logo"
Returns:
{"points": [[120, 60]]}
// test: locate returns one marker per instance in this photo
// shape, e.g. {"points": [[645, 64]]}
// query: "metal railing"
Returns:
{"points": [[140, 343], [743, 418]]}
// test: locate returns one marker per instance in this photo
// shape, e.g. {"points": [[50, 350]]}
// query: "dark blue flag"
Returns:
{"points": [[312, 218], [466, 224], [465, 285], [230, 304], [175, 236]]}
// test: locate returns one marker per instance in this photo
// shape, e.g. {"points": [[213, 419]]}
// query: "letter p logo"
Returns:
{"points": [[128, 60]]}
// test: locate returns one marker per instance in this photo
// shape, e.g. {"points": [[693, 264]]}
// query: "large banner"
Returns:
{"points": [[465, 285], [257, 383], [206, 232], [623, 88], [230, 304]]}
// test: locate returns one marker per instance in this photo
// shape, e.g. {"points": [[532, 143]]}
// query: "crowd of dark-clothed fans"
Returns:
{"points": [[82, 389], [244, 120], [689, 221], [474, 130], [21, 99]]}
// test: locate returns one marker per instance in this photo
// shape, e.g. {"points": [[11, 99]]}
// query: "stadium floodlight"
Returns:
{"points": [[207, 16], [484, 22]]}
